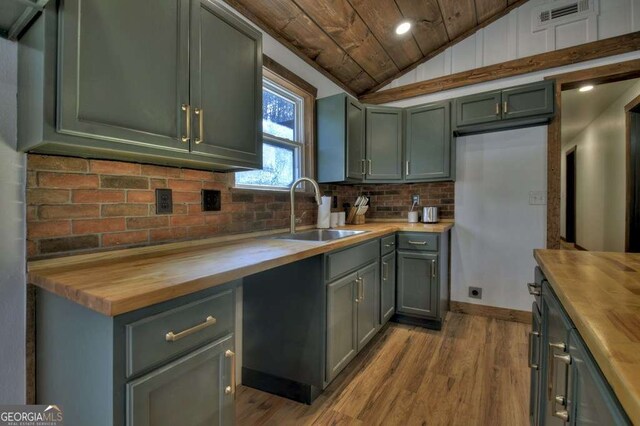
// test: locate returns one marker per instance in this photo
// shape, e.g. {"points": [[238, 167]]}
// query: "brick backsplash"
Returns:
{"points": [[77, 205]]}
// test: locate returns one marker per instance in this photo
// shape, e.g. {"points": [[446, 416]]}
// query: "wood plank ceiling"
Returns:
{"points": [[354, 43]]}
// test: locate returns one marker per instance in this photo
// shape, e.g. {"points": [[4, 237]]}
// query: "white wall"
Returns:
{"points": [[600, 178], [495, 228], [12, 237], [513, 36]]}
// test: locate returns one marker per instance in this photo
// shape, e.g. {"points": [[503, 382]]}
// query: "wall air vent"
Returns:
{"points": [[561, 12]]}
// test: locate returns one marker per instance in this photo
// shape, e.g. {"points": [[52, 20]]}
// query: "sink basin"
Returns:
{"points": [[318, 235]]}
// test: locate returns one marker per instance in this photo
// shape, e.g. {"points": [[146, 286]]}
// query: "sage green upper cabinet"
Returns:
{"points": [[427, 142], [477, 109], [176, 82], [384, 143], [526, 101], [120, 78], [224, 49], [17, 15], [341, 140]]}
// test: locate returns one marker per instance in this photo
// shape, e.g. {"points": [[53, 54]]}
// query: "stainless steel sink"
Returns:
{"points": [[318, 235]]}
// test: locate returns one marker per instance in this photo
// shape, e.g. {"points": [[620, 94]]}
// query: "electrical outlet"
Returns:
{"points": [[164, 201], [211, 200], [475, 292], [537, 198], [415, 199]]}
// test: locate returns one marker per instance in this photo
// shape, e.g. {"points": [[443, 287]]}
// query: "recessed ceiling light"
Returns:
{"points": [[403, 27], [586, 88]]}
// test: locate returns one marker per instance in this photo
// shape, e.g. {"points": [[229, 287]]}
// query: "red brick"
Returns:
{"points": [[124, 182], [186, 197], [195, 209], [215, 185], [32, 213], [185, 185], [202, 231], [32, 179], [53, 228], [67, 180], [51, 162], [196, 174], [32, 249], [141, 196], [217, 219], [97, 196], [157, 183], [187, 220], [147, 222], [110, 210], [98, 226], [166, 234], [114, 167], [67, 244], [149, 170], [125, 238], [47, 196], [68, 211]]}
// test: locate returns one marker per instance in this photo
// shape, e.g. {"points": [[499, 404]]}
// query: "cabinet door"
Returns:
{"points": [[428, 142], [527, 101], [120, 77], [226, 86], [342, 341], [189, 391], [417, 284], [476, 109], [388, 287], [535, 365], [384, 143], [592, 401], [368, 303], [355, 139]]}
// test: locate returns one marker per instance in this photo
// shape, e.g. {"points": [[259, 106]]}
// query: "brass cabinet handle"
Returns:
{"points": [[417, 243], [532, 334], [390, 245], [505, 109], [363, 167], [172, 337], [551, 366], [433, 268], [497, 109], [406, 169], [369, 161], [187, 123], [358, 290], [361, 289], [563, 414], [385, 271], [200, 114], [231, 389], [533, 289]]}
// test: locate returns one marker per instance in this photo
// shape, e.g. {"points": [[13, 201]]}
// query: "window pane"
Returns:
{"points": [[278, 167], [278, 115]]}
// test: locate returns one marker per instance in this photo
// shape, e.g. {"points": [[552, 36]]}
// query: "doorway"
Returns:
{"points": [[570, 181], [633, 176]]}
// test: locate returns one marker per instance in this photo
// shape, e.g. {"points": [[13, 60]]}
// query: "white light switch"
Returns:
{"points": [[537, 198]]}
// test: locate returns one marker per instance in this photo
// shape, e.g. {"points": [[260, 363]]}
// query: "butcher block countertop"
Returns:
{"points": [[121, 281], [601, 294]]}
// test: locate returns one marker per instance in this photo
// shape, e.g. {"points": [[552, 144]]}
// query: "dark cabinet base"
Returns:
{"points": [[299, 392], [431, 324]]}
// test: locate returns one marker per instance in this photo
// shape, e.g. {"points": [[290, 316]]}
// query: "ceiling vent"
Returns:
{"points": [[556, 12]]}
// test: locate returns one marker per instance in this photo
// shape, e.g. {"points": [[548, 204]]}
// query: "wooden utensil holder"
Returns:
{"points": [[359, 219]]}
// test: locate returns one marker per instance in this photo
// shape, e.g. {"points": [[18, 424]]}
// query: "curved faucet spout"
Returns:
{"points": [[292, 192]]}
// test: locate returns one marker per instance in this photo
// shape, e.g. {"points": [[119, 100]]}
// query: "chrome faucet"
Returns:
{"points": [[293, 191]]}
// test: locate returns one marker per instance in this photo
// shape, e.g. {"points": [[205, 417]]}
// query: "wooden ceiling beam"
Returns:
{"points": [[570, 55]]}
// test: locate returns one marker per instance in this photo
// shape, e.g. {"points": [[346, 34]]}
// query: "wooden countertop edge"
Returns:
{"points": [[615, 377], [37, 269]]}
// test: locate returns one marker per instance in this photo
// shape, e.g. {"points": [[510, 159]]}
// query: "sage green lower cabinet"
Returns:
{"points": [[368, 303], [342, 324], [188, 391], [139, 368], [387, 287], [571, 388]]}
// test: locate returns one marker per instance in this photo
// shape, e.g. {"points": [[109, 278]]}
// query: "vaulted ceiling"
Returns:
{"points": [[354, 42]]}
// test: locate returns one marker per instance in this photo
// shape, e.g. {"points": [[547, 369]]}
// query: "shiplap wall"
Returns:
{"points": [[512, 37]]}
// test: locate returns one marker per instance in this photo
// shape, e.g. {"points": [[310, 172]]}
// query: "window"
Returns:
{"points": [[283, 140]]}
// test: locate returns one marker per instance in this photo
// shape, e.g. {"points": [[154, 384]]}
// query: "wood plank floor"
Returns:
{"points": [[473, 372]]}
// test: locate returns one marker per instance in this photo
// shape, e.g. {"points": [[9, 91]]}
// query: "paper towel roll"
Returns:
{"points": [[324, 213]]}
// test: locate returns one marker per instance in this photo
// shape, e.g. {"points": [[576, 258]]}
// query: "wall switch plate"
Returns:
{"points": [[415, 199], [537, 198], [164, 201], [211, 200], [475, 292]]}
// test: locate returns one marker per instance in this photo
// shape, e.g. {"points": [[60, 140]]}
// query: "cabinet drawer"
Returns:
{"points": [[348, 260], [387, 244], [148, 340], [418, 241]]}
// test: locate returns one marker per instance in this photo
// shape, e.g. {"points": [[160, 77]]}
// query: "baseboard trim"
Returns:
{"points": [[504, 314]]}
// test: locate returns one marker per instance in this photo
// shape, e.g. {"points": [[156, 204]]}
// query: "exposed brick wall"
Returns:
{"points": [[393, 201], [77, 205]]}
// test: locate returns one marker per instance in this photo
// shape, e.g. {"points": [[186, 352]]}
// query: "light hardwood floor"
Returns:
{"points": [[473, 372]]}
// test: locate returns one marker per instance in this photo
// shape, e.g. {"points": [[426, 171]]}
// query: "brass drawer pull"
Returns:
{"points": [[385, 271], [505, 107], [497, 109], [187, 123], [406, 169], [231, 389], [361, 289], [390, 245], [532, 334], [200, 114], [363, 167], [369, 161], [172, 337], [358, 290], [433, 268], [533, 289], [418, 243]]}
